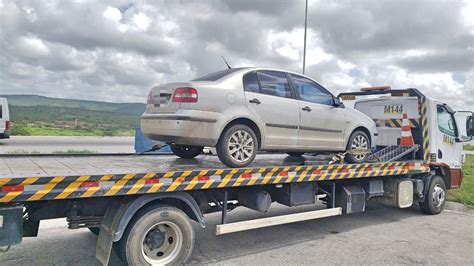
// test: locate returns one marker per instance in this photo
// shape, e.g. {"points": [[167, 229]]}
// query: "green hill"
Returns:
{"points": [[36, 100], [40, 115]]}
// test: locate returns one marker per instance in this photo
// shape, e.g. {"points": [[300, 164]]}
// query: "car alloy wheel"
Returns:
{"points": [[240, 146], [358, 144]]}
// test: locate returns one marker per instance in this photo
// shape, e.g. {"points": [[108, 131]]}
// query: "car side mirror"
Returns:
{"points": [[338, 102]]}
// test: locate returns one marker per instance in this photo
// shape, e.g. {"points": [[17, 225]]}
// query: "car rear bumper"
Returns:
{"points": [[189, 127]]}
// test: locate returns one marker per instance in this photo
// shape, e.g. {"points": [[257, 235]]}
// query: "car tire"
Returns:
{"points": [[179, 237], [237, 146], [295, 154], [186, 152], [435, 196], [358, 139]]}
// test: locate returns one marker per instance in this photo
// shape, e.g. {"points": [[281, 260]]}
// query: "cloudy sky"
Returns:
{"points": [[116, 50]]}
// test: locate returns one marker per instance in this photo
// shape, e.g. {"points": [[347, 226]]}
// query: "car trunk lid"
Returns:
{"points": [[160, 98]]}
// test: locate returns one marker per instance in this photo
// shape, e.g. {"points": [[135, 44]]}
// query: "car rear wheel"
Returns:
{"points": [[237, 146], [186, 152], [358, 147], [295, 154]]}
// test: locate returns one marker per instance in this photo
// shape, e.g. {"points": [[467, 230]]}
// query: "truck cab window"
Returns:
{"points": [[446, 122]]}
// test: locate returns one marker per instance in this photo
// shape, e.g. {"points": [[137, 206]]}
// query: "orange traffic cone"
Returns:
{"points": [[407, 138]]}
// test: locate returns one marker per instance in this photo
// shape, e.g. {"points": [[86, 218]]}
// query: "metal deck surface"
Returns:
{"points": [[13, 167]]}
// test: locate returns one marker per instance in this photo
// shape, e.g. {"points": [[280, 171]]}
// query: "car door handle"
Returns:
{"points": [[306, 108], [255, 100]]}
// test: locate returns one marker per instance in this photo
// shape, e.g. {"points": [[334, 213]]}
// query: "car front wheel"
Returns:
{"points": [[237, 146], [186, 152], [358, 147]]}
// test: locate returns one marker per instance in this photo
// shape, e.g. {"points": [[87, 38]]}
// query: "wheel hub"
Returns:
{"points": [[241, 146], [162, 243], [155, 239], [358, 144], [438, 196]]}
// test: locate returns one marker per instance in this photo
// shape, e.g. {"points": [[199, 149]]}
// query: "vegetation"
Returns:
{"points": [[465, 194], [469, 147], [33, 115]]}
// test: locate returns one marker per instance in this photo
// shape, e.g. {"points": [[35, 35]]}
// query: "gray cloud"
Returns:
{"points": [[116, 50]]}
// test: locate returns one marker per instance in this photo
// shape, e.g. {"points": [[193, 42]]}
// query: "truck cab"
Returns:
{"points": [[436, 127]]}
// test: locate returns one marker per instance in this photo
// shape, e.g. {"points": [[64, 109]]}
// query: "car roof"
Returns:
{"points": [[248, 69]]}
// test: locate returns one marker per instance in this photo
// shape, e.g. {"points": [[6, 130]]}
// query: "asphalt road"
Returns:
{"points": [[381, 235], [30, 144]]}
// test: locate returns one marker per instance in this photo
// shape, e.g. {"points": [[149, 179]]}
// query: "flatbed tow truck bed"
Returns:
{"points": [[36, 178]]}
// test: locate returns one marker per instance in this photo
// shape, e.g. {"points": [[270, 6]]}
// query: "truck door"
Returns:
{"points": [[448, 150]]}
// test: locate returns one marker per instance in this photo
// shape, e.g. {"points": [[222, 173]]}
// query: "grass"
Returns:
{"points": [[465, 194], [469, 147], [22, 151], [49, 131]]}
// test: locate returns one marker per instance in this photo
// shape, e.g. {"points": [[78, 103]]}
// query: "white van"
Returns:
{"points": [[5, 123]]}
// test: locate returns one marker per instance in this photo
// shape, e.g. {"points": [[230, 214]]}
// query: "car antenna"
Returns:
{"points": [[225, 61]]}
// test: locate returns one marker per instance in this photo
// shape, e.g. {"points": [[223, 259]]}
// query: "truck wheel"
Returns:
{"points": [[237, 146], [157, 235], [295, 154], [358, 140], [186, 152], [435, 197]]}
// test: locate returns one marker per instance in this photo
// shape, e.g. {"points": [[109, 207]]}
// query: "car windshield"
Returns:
{"points": [[217, 75]]}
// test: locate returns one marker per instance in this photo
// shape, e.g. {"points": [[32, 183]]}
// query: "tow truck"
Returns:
{"points": [[143, 208]]}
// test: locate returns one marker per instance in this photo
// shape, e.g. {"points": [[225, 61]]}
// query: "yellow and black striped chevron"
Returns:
{"points": [[396, 122], [73, 187]]}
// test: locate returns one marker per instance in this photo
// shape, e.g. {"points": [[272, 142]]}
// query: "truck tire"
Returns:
{"points": [[357, 140], [435, 196], [237, 146], [157, 235], [186, 152], [94, 230], [295, 153]]}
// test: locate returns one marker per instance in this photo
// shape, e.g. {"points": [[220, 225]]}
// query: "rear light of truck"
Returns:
{"points": [[185, 95], [150, 98], [8, 125]]}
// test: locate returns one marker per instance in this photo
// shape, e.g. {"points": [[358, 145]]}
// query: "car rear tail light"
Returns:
{"points": [[185, 95], [8, 125], [150, 98]]}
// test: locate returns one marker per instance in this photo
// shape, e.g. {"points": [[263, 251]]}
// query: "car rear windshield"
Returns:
{"points": [[217, 75]]}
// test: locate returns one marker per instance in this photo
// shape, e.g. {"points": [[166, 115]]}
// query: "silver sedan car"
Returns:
{"points": [[243, 110]]}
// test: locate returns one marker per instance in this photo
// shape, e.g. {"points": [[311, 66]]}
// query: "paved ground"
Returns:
{"points": [[382, 235], [23, 144]]}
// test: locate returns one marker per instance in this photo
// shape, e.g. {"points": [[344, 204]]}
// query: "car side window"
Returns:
{"points": [[311, 91], [446, 122], [251, 82], [274, 83]]}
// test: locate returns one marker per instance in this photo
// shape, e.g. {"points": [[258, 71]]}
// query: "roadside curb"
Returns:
{"points": [[458, 207]]}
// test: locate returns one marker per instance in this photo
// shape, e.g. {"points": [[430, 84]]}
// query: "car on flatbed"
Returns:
{"points": [[243, 110]]}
